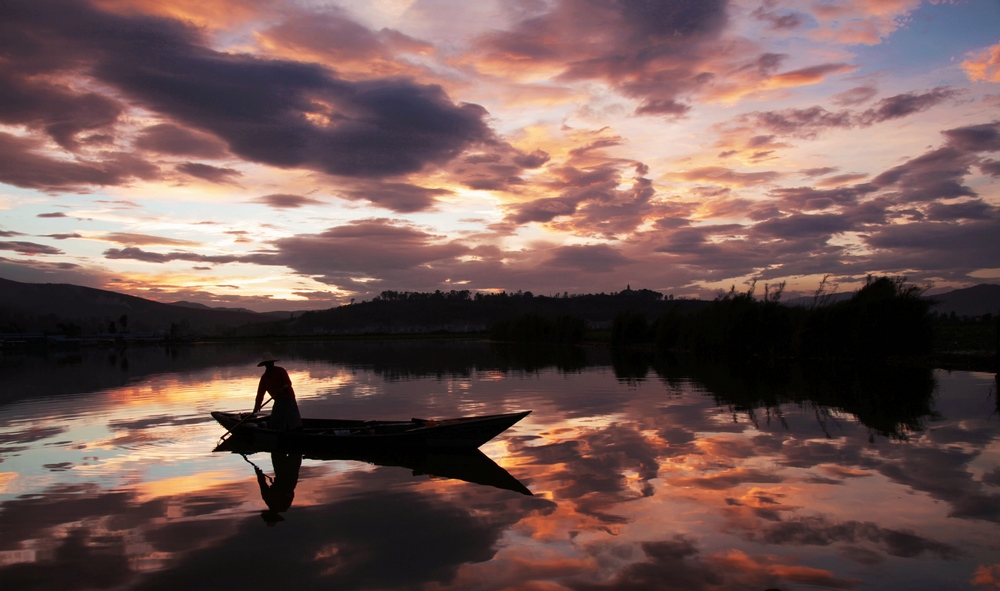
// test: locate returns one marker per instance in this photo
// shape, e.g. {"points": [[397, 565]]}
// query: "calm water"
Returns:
{"points": [[645, 474]]}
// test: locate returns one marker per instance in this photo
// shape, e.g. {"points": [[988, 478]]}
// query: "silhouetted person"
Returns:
{"points": [[275, 381], [278, 495]]}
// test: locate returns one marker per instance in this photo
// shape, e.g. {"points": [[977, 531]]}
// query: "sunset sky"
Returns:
{"points": [[298, 154]]}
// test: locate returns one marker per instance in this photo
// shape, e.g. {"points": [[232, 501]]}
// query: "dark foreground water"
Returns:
{"points": [[644, 474]]}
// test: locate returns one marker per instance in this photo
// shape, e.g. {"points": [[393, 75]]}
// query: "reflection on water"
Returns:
{"points": [[645, 472]]}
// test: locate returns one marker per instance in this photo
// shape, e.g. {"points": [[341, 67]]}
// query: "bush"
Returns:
{"points": [[534, 328]]}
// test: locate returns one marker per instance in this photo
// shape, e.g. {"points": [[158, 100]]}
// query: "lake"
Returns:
{"points": [[644, 473]]}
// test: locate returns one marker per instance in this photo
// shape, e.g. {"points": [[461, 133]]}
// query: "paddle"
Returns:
{"points": [[243, 420]]}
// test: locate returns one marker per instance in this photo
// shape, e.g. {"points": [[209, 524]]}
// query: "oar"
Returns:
{"points": [[256, 468], [243, 420]]}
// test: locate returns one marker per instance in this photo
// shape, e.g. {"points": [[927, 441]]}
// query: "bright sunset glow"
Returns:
{"points": [[298, 154]]}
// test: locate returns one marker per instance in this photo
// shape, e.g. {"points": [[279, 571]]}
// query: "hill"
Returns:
{"points": [[460, 311], [68, 309], [971, 301], [60, 308]]}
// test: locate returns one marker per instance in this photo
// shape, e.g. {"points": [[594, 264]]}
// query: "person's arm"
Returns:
{"points": [[261, 388]]}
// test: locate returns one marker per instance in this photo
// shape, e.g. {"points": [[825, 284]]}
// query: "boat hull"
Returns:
{"points": [[319, 435]]}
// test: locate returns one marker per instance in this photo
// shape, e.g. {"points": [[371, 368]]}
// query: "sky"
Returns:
{"points": [[292, 155]]}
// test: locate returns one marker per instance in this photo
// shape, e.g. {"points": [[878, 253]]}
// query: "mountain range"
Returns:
{"points": [[64, 309]]}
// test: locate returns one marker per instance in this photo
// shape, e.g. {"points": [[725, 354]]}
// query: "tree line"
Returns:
{"points": [[887, 317]]}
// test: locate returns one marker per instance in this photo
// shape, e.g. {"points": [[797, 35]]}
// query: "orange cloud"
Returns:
{"points": [[983, 66], [861, 21], [987, 576], [203, 13]]}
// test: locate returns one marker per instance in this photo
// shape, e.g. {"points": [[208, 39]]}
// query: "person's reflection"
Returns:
{"points": [[279, 491]]}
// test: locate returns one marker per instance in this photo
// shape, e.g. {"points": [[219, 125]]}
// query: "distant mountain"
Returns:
{"points": [[970, 301], [278, 315], [53, 307]]}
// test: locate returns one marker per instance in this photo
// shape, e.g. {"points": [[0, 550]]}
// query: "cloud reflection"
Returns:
{"points": [[655, 476]]}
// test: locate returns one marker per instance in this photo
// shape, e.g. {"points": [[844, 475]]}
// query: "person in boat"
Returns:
{"points": [[279, 493], [275, 381]]}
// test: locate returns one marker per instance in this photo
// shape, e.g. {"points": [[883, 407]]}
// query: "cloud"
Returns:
{"points": [[819, 531], [137, 254], [807, 123], [396, 196], [285, 201], [727, 176], [167, 138], [276, 112], [938, 174], [779, 20], [143, 239], [214, 174], [398, 254], [984, 65], [854, 96], [54, 108], [22, 165], [331, 37], [650, 51], [596, 258], [54, 214], [29, 248]]}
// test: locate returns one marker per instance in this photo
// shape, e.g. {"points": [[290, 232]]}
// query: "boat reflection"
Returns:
{"points": [[278, 492]]}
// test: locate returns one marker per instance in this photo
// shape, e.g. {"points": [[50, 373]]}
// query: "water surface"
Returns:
{"points": [[644, 473]]}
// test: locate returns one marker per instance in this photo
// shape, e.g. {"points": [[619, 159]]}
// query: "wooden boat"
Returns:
{"points": [[319, 435]]}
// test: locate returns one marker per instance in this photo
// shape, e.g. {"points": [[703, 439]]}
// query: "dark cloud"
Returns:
{"points": [[399, 197], [670, 565], [79, 561], [54, 108], [990, 167], [30, 435], [651, 51], [344, 543], [984, 137], [719, 174], [369, 248], [819, 531], [22, 165], [533, 160], [779, 20], [975, 209], [281, 113], [596, 258], [592, 200], [285, 201], [137, 254], [824, 170], [727, 479], [64, 236], [819, 227], [903, 105], [166, 138], [54, 214], [28, 248], [855, 96], [543, 210], [937, 174], [809, 122], [214, 174], [144, 239]]}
